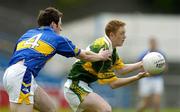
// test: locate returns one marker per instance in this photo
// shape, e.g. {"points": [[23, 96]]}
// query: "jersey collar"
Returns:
{"points": [[109, 43], [46, 27]]}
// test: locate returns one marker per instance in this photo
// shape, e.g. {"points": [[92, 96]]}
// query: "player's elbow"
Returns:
{"points": [[113, 85], [116, 84]]}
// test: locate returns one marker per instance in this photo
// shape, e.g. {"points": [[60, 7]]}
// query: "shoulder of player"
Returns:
{"points": [[100, 42], [56, 37], [47, 32]]}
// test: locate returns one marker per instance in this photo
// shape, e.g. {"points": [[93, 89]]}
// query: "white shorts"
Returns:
{"points": [[19, 84], [151, 85], [75, 92]]}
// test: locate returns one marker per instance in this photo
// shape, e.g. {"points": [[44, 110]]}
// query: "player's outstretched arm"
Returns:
{"points": [[130, 68], [91, 56], [124, 81]]}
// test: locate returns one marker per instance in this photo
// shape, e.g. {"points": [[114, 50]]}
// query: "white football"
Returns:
{"points": [[154, 63]]}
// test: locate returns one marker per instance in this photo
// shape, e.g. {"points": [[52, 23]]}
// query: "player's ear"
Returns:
{"points": [[111, 34], [53, 24]]}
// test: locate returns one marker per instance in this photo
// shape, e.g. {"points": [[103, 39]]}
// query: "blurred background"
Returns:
{"points": [[84, 21]]}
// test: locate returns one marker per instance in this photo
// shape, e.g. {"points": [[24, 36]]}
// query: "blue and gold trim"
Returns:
{"points": [[25, 88], [77, 51], [42, 47]]}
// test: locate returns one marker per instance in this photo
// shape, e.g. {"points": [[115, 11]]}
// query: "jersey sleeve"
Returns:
{"points": [[107, 77], [118, 64], [96, 46], [66, 48]]}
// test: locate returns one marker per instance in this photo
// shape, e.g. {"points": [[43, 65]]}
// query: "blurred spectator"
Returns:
{"points": [[151, 88]]}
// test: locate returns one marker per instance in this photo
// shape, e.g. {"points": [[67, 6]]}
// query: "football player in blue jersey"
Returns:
{"points": [[31, 53]]}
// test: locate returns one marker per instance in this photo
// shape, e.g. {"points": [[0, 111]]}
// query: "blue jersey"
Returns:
{"points": [[38, 45]]}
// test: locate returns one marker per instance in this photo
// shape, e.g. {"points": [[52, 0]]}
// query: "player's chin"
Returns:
{"points": [[121, 44]]}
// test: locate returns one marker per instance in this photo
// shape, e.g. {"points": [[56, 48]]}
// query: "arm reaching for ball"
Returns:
{"points": [[124, 81]]}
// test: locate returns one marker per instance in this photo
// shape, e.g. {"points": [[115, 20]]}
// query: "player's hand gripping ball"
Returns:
{"points": [[154, 63]]}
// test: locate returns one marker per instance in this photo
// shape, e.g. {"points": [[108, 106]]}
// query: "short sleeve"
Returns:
{"points": [[106, 78], [118, 64], [66, 48]]}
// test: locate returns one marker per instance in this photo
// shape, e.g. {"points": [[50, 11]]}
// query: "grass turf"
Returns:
{"points": [[5, 109]]}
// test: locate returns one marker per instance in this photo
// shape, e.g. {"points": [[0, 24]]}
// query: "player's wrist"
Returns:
{"points": [[139, 76], [140, 65]]}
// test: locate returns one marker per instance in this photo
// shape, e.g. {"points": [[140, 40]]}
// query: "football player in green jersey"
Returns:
{"points": [[77, 92]]}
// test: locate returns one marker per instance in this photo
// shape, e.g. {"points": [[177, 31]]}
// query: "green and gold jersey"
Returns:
{"points": [[103, 71]]}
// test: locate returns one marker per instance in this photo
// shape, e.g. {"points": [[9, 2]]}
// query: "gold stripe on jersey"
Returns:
{"points": [[106, 81], [103, 78], [118, 65], [42, 47], [22, 45], [106, 75], [88, 67]]}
